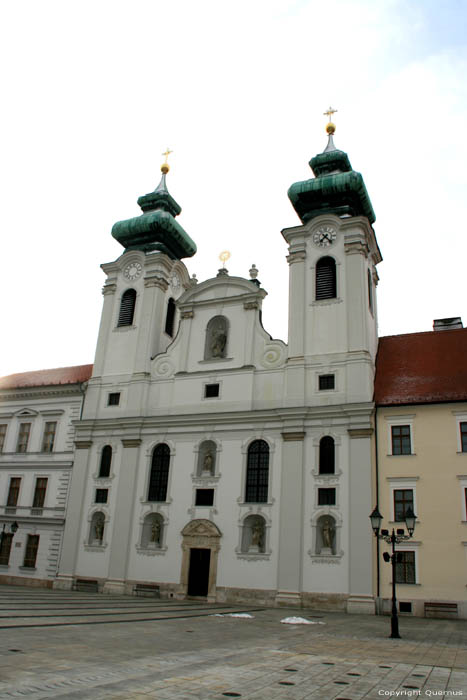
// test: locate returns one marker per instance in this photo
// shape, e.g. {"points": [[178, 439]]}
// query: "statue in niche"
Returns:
{"points": [[257, 536], [218, 343], [155, 532], [216, 338], [99, 528], [327, 533], [208, 463]]}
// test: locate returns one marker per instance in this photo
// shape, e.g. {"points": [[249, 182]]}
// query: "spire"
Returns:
{"points": [[156, 228], [336, 188]]}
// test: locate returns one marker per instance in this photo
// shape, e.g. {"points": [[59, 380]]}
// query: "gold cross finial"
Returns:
{"points": [[165, 166], [329, 113], [330, 127]]}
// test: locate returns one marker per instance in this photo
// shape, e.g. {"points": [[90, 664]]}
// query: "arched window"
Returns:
{"points": [[170, 317], [159, 473], [127, 308], [216, 338], [325, 278], [326, 455], [106, 460], [257, 472]]}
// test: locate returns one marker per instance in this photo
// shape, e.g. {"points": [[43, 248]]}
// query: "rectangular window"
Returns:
{"points": [[463, 428], [2, 436], [5, 548], [114, 399], [405, 607], [39, 493], [326, 382], [326, 497], [13, 491], [403, 500], [101, 495], [405, 567], [30, 556], [400, 436], [211, 391], [204, 497], [23, 437], [49, 436]]}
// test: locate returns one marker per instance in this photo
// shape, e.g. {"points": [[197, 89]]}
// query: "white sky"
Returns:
{"points": [[94, 91]]}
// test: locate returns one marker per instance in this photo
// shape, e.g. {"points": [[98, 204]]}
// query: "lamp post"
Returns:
{"points": [[394, 538], [13, 529]]}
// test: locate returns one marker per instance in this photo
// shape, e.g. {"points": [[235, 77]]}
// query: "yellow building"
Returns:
{"points": [[421, 462]]}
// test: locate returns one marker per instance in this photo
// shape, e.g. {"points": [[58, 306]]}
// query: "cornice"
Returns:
{"points": [[40, 392]]}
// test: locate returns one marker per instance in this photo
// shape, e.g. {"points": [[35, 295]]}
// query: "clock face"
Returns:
{"points": [[324, 236], [132, 271]]}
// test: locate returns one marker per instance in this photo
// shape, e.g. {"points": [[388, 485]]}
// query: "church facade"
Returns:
{"points": [[212, 460]]}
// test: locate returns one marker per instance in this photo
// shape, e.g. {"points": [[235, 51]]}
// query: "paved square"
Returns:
{"points": [[56, 644]]}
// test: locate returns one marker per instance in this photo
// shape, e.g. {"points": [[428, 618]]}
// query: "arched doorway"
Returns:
{"points": [[200, 545]]}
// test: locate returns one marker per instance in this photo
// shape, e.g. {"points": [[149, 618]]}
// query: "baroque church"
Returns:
{"points": [[210, 458]]}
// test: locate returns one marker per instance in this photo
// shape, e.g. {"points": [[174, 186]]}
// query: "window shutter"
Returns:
{"points": [[127, 308], [325, 279]]}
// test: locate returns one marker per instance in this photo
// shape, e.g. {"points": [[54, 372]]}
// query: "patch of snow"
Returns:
{"points": [[299, 621]]}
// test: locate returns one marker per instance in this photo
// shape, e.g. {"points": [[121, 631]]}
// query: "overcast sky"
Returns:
{"points": [[94, 91]]}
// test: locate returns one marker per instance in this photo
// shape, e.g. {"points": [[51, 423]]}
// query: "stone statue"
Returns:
{"points": [[257, 534], [99, 528], [218, 343], [327, 533], [208, 463], [155, 531]]}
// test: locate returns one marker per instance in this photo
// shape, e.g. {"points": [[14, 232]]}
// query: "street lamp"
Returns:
{"points": [[393, 539], [13, 529]]}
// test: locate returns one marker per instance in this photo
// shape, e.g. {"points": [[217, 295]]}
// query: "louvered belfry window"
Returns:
{"points": [[326, 455], [127, 308], [170, 317], [257, 472], [106, 460], [159, 473], [326, 278]]}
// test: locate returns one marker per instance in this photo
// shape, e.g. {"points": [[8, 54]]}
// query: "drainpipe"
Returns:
{"points": [[377, 502]]}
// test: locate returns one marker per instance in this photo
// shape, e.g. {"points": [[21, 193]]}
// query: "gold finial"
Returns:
{"points": [[224, 256], [165, 167], [330, 127]]}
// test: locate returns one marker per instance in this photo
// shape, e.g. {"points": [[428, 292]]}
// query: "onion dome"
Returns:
{"points": [[335, 189], [156, 228]]}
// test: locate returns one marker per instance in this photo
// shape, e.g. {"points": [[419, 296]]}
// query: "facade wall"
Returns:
{"points": [[436, 473]]}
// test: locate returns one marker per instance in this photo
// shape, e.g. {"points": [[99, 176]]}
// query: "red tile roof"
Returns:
{"points": [[422, 368], [47, 377]]}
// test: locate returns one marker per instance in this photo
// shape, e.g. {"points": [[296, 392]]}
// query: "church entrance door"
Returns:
{"points": [[198, 576]]}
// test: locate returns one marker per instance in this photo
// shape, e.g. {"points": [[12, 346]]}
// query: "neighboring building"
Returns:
{"points": [[36, 459], [211, 459], [421, 410]]}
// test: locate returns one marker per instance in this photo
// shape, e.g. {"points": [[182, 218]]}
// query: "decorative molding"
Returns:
{"points": [[356, 248], [298, 256], [187, 314], [95, 547], [318, 559], [293, 437], [83, 444], [156, 281], [109, 288], [250, 305], [150, 551], [360, 432], [254, 557], [131, 442]]}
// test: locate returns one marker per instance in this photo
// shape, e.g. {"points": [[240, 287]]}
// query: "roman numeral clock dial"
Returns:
{"points": [[324, 237]]}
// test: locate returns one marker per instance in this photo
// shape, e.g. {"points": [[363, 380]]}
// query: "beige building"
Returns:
{"points": [[421, 446]]}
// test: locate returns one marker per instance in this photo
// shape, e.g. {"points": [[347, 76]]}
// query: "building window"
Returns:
{"points": [[326, 497], [325, 279], [127, 308], [114, 399], [370, 291], [106, 461], [170, 317], [463, 429], [211, 391], [326, 455], [39, 493], [101, 495], [400, 437], [2, 436], [5, 548], [13, 492], [405, 567], [403, 500], [326, 382], [204, 497], [32, 545], [257, 472], [23, 437], [159, 477], [49, 436]]}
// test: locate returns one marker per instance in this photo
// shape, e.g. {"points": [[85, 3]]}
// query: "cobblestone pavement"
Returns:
{"points": [[55, 644]]}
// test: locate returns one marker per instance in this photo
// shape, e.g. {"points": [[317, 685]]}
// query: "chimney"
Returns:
{"points": [[447, 324]]}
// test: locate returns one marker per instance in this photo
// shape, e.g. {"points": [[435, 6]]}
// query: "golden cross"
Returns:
{"points": [[329, 113], [166, 154]]}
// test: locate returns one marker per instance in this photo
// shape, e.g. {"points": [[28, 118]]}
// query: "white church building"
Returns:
{"points": [[212, 460]]}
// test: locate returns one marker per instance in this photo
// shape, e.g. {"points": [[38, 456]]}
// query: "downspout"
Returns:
{"points": [[377, 502]]}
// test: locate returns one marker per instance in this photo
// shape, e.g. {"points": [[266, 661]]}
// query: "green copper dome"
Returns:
{"points": [[335, 189], [156, 228]]}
